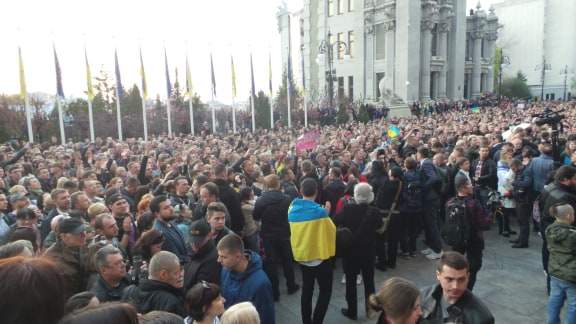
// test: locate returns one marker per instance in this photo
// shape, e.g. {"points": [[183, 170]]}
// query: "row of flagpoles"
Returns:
{"points": [[144, 91]]}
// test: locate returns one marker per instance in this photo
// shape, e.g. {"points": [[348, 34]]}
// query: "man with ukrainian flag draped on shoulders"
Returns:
{"points": [[313, 241]]}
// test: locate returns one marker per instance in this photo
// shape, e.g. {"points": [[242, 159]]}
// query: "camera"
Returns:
{"points": [[548, 117]]}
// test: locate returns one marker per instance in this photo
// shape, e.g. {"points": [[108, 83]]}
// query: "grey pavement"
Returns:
{"points": [[511, 283]]}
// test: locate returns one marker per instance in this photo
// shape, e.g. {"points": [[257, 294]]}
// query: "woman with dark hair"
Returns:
{"points": [[204, 304], [398, 301], [81, 301], [32, 291], [117, 313]]}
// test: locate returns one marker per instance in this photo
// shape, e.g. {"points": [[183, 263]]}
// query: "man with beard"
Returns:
{"points": [[174, 242]]}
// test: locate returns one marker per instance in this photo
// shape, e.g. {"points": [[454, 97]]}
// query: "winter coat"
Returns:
{"points": [[363, 221], [71, 263], [467, 310], [561, 240], [153, 295], [272, 210], [173, 239], [231, 200], [203, 265], [252, 285], [106, 293]]}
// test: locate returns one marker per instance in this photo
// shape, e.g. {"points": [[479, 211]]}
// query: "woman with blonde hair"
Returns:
{"points": [[241, 313], [398, 301]]}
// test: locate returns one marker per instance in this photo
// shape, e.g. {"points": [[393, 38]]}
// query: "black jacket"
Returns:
{"points": [[333, 192], [363, 221], [106, 293], [386, 194], [272, 209], [153, 295], [467, 310], [203, 265], [555, 193], [230, 198], [488, 178]]}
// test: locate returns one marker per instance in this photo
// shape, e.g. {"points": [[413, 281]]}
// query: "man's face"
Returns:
{"points": [[83, 202], [63, 201], [115, 267], [484, 153], [35, 184], [228, 260], [166, 211], [206, 197], [16, 174], [120, 207], [174, 276], [44, 174], [217, 220], [182, 187], [454, 282], [3, 202], [74, 240], [109, 227]]}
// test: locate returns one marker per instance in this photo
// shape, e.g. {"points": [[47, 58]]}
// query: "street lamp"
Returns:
{"points": [[565, 72], [504, 60], [326, 51], [543, 68]]}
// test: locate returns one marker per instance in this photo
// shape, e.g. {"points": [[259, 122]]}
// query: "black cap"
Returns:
{"points": [[199, 230], [113, 199], [71, 225]]}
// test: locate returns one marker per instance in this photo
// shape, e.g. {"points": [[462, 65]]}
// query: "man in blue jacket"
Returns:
{"points": [[174, 242], [242, 278]]}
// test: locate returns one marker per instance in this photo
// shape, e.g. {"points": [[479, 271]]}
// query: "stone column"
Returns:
{"points": [[426, 58], [444, 27], [490, 50], [477, 68], [390, 28]]}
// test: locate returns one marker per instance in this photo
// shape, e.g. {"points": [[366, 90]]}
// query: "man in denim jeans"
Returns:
{"points": [[561, 237]]}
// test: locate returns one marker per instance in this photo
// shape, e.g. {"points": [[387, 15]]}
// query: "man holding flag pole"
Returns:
{"points": [[24, 96]]}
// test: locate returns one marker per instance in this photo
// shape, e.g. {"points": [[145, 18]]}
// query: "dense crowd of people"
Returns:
{"points": [[193, 229]]}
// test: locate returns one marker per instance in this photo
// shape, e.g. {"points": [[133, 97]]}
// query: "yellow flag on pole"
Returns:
{"points": [[23, 92]]}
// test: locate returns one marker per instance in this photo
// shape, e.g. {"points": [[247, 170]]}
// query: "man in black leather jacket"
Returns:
{"points": [[450, 301]]}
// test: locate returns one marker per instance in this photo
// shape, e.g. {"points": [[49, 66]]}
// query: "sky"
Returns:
{"points": [[193, 27]]}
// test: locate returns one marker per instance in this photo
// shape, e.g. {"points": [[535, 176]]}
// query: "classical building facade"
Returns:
{"points": [[546, 30], [415, 50]]}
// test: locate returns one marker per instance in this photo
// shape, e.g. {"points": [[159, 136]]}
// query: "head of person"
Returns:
{"points": [[160, 317], [241, 313], [118, 205], [149, 243], [484, 152], [14, 171], [116, 312], [27, 236], [110, 263], [272, 182], [161, 207], [26, 217], [19, 200], [204, 300], [3, 202], [363, 193], [181, 186], [335, 173], [463, 187], [566, 175], [395, 173], [453, 273], [199, 234], [439, 159], [516, 165], [422, 153], [209, 193], [80, 201], [81, 301], [165, 267], [463, 164], [410, 164], [72, 232], [33, 290], [231, 252], [564, 213], [21, 248], [216, 216], [309, 188], [106, 225], [93, 188], [399, 299]]}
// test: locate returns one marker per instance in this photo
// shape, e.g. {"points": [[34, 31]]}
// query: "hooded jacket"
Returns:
{"points": [[251, 285], [562, 246], [153, 295], [313, 234], [203, 265], [272, 209]]}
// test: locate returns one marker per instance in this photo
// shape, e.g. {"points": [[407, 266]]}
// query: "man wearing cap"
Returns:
{"points": [[203, 263], [174, 241], [69, 254], [120, 210]]}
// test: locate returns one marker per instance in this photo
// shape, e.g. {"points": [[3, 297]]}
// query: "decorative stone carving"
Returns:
{"points": [[387, 97], [390, 25], [444, 26], [427, 25]]}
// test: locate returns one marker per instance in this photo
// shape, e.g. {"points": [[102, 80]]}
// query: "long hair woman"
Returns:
{"points": [[398, 301]]}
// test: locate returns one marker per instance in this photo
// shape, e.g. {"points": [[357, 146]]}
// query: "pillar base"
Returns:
{"points": [[399, 110]]}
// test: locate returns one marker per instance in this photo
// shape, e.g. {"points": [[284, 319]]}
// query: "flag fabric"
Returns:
{"points": [[212, 76], [59, 89], [188, 79], [270, 75], [253, 89], [393, 131], [89, 88], [168, 84], [143, 77], [23, 91], [233, 78], [118, 78]]}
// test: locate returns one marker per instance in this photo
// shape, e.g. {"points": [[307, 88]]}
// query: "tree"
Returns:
{"points": [[262, 110], [573, 86], [496, 65], [516, 87], [281, 103]]}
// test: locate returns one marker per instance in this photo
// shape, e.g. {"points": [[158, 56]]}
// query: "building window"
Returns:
{"points": [[330, 8], [380, 42], [379, 76], [351, 43], [340, 87], [468, 44], [351, 5], [341, 49], [341, 6], [351, 87]]}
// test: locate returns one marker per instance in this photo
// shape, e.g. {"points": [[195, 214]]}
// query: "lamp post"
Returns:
{"points": [[326, 51], [543, 68], [503, 60], [565, 72]]}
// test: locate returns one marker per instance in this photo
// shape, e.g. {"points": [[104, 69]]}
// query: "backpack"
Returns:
{"points": [[413, 195], [444, 183], [456, 229]]}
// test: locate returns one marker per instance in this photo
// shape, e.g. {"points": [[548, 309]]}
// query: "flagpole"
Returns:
{"points": [[213, 95], [61, 120], [91, 120], [233, 116], [305, 110], [213, 116], [144, 119], [118, 114], [233, 96], [288, 70], [288, 99], [189, 93], [24, 94], [168, 88], [271, 92], [252, 94], [191, 108]]}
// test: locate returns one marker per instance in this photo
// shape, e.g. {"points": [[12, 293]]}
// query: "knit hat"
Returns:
{"points": [[363, 193]]}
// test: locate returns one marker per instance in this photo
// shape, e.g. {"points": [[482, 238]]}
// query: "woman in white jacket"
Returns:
{"points": [[505, 179]]}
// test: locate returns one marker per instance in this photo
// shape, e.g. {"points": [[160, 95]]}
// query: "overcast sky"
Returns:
{"points": [[223, 27]]}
